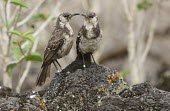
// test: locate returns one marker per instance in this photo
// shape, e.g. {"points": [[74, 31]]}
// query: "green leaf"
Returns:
{"points": [[27, 33], [21, 41], [144, 5], [124, 72], [18, 42], [40, 16], [34, 56], [10, 68], [30, 38], [15, 42], [17, 53], [20, 3], [15, 32]]}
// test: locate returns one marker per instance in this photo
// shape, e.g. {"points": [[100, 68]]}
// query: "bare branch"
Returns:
{"points": [[31, 14], [20, 60], [151, 32], [10, 35], [15, 12], [131, 34], [149, 41], [7, 16], [2, 21], [6, 13], [2, 12], [8, 9], [26, 71], [140, 33], [126, 10], [133, 62], [1, 39], [21, 49]]}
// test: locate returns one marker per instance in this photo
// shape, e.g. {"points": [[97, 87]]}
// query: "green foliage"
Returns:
{"points": [[34, 56], [124, 72], [40, 16], [17, 53], [28, 35], [15, 32], [19, 3], [10, 68], [24, 36], [145, 4]]}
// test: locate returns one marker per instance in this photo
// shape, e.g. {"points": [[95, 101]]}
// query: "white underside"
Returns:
{"points": [[89, 45]]}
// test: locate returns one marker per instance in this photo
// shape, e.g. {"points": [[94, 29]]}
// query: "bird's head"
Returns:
{"points": [[65, 17], [90, 17]]}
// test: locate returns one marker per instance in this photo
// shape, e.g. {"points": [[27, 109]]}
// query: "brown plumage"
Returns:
{"points": [[58, 46]]}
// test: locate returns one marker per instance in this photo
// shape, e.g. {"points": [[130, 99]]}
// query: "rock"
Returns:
{"points": [[77, 88], [145, 98], [5, 91], [27, 101], [82, 89], [94, 88]]}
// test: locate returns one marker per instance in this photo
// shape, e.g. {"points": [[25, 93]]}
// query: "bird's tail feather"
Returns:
{"points": [[44, 73]]}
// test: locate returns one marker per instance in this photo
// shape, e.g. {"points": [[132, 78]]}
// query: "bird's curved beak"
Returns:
{"points": [[83, 15], [72, 15]]}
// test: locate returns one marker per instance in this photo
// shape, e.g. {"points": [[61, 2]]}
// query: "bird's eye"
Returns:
{"points": [[90, 16], [66, 15]]}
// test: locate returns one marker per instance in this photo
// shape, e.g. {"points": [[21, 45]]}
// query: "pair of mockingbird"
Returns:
{"points": [[61, 41]]}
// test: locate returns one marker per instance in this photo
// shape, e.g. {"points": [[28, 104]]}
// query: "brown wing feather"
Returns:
{"points": [[42, 75], [96, 31], [54, 44], [51, 51], [78, 38], [48, 70]]}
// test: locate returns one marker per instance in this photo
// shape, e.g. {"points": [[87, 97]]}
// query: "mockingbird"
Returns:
{"points": [[58, 46], [89, 36]]}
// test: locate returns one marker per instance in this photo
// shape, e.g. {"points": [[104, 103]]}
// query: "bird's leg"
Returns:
{"points": [[93, 58], [83, 60], [59, 64], [55, 66]]}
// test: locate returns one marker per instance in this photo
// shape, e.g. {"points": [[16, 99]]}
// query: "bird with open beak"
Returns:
{"points": [[58, 46], [89, 36]]}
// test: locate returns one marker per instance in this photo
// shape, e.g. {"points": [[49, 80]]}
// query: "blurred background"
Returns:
{"points": [[136, 38]]}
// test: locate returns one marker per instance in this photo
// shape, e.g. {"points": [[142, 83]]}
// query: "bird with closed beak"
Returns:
{"points": [[58, 46], [89, 36]]}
